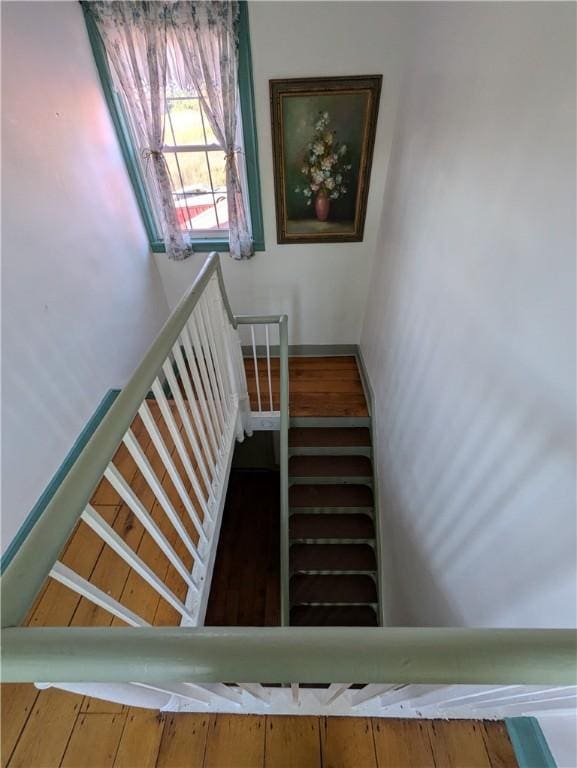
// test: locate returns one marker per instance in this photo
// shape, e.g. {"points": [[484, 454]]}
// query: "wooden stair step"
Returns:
{"points": [[327, 437], [330, 466], [330, 526], [330, 496], [332, 557], [333, 616], [351, 588]]}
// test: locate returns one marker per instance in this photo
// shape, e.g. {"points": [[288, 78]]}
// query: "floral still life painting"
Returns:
{"points": [[323, 133]]}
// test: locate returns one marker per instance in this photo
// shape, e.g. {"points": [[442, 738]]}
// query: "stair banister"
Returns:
{"points": [[289, 654], [33, 562]]}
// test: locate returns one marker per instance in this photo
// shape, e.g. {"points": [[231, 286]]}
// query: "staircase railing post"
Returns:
{"points": [[284, 428]]}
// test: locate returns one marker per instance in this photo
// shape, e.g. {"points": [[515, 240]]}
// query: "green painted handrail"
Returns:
{"points": [[31, 565], [290, 654]]}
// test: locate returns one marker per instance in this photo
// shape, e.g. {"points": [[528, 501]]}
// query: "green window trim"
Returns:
{"points": [[246, 93]]}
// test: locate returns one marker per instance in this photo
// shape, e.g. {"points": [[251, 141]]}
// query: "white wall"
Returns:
{"points": [[322, 287], [81, 297], [560, 731], [469, 335]]}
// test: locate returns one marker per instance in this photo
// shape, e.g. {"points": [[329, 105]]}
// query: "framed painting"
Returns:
{"points": [[323, 137]]}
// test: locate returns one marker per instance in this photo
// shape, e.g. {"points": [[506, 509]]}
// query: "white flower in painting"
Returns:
{"points": [[297, 189], [318, 177], [328, 138], [318, 148], [327, 163], [330, 183], [334, 195], [338, 178], [315, 187], [343, 190], [326, 115], [305, 169], [343, 149], [307, 192]]}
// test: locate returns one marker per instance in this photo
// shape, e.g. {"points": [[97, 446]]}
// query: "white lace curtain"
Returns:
{"points": [[189, 45]]}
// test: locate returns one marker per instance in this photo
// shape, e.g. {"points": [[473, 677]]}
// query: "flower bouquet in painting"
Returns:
{"points": [[325, 168]]}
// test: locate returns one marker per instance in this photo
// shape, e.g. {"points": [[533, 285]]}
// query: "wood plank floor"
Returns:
{"points": [[245, 588], [319, 386], [62, 730]]}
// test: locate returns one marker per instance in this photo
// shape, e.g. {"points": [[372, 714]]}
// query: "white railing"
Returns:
{"points": [[191, 397]]}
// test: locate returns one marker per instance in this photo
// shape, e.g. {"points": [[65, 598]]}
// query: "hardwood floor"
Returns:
{"points": [[319, 386], [61, 729], [245, 588]]}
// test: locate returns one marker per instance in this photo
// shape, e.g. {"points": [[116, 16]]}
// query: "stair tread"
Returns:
{"points": [[330, 466], [351, 588], [328, 437], [332, 557], [330, 496], [330, 526], [333, 616]]}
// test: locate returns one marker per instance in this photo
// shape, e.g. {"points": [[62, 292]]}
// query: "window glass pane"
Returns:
{"points": [[193, 194], [218, 174], [184, 124]]}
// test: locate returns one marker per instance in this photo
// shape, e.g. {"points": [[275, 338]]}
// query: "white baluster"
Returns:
{"points": [[198, 317], [191, 399], [268, 368], [195, 373], [173, 473], [118, 545], [199, 357], [160, 494], [191, 434], [214, 341], [254, 357], [127, 494], [69, 578], [181, 450]]}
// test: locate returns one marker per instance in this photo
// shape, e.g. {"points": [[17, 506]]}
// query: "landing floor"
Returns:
{"points": [[319, 386], [245, 589], [62, 729]]}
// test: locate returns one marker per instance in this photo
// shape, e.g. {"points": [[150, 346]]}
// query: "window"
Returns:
{"points": [[194, 158], [196, 164]]}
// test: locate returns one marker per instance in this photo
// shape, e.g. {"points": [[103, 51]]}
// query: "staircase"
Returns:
{"points": [[332, 560]]}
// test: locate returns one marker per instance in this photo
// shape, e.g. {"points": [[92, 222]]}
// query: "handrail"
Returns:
{"points": [[282, 321], [288, 655], [31, 565]]}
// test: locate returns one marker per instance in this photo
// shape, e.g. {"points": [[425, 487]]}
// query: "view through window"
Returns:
{"points": [[197, 166]]}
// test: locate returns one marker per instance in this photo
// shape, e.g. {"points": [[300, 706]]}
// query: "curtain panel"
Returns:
{"points": [[155, 48]]}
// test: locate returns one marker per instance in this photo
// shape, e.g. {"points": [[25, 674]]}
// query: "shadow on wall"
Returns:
{"points": [[477, 470]]}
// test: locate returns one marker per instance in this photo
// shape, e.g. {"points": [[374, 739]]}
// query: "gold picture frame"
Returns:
{"points": [[323, 139]]}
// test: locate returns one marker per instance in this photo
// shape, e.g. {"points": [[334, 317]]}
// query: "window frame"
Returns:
{"points": [[129, 152]]}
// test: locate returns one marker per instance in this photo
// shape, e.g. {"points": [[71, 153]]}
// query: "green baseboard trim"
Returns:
{"points": [[304, 350], [59, 476], [529, 743]]}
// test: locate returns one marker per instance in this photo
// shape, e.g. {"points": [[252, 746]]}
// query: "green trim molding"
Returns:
{"points": [[37, 510], [129, 153], [529, 743]]}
